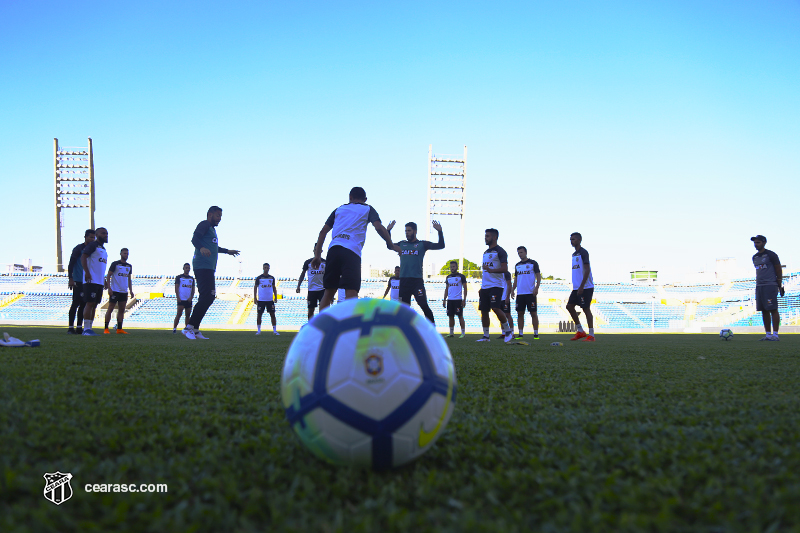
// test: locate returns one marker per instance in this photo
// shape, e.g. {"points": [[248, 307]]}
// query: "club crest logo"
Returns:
{"points": [[374, 365], [57, 488]]}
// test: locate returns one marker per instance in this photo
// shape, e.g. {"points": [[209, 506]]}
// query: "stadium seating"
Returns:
{"points": [[43, 297]]}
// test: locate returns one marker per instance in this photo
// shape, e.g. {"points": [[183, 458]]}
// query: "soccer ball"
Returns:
{"points": [[368, 383], [726, 334]]}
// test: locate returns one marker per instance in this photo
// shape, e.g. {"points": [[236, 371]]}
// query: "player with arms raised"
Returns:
{"points": [[412, 253], [315, 287], [94, 259], [265, 294], [495, 264], [343, 265], [184, 294], [527, 279], [119, 284], [455, 298]]}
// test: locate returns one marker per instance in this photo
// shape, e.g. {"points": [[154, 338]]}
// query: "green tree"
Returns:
{"points": [[471, 270]]}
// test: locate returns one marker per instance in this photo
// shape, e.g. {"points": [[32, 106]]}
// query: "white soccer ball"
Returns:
{"points": [[369, 383], [726, 334]]}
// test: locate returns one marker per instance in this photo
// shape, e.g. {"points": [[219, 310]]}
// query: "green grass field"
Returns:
{"points": [[631, 433]]}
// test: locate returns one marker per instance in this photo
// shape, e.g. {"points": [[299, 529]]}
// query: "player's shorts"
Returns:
{"points": [[314, 298], [117, 297], [187, 304], [455, 307], [412, 287], [269, 305], [581, 300], [526, 301], [77, 293], [92, 293], [767, 298], [342, 269], [490, 299], [506, 306]]}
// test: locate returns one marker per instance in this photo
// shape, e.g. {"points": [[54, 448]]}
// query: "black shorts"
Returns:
{"points": [[412, 287], [581, 300], [767, 298], [269, 305], [92, 293], [506, 306], [117, 297], [342, 269], [526, 301], [77, 293], [455, 307], [490, 299], [314, 298], [187, 304]]}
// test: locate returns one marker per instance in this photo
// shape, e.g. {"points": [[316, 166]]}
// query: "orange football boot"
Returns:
{"points": [[589, 338], [106, 331], [121, 331], [578, 335]]}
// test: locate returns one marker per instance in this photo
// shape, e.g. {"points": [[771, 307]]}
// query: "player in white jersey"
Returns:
{"points": [[184, 294], [349, 224], [265, 294], [582, 289], [315, 287], [527, 279], [455, 298], [341, 295], [93, 260], [393, 286], [119, 284], [493, 280]]}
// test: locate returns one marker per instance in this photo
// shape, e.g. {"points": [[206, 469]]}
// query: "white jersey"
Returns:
{"points": [[349, 223], [394, 289], [120, 274], [315, 275], [455, 286], [525, 272], [185, 285], [265, 285], [492, 259], [580, 261], [97, 261]]}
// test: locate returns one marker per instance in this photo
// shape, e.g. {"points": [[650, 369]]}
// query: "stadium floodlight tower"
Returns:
{"points": [[74, 178], [447, 190]]}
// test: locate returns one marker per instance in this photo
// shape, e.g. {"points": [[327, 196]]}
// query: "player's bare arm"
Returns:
{"points": [[538, 282], [86, 273], [177, 292], [585, 277], [274, 293], [205, 252], [300, 280], [444, 300], [318, 248], [130, 281], [779, 278], [499, 270], [384, 233], [255, 291], [514, 286], [388, 288]]}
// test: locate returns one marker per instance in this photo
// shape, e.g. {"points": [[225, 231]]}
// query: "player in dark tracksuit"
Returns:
{"points": [[412, 252], [769, 283], [75, 274], [204, 262]]}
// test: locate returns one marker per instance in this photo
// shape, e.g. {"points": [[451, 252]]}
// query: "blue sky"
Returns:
{"points": [[666, 133]]}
